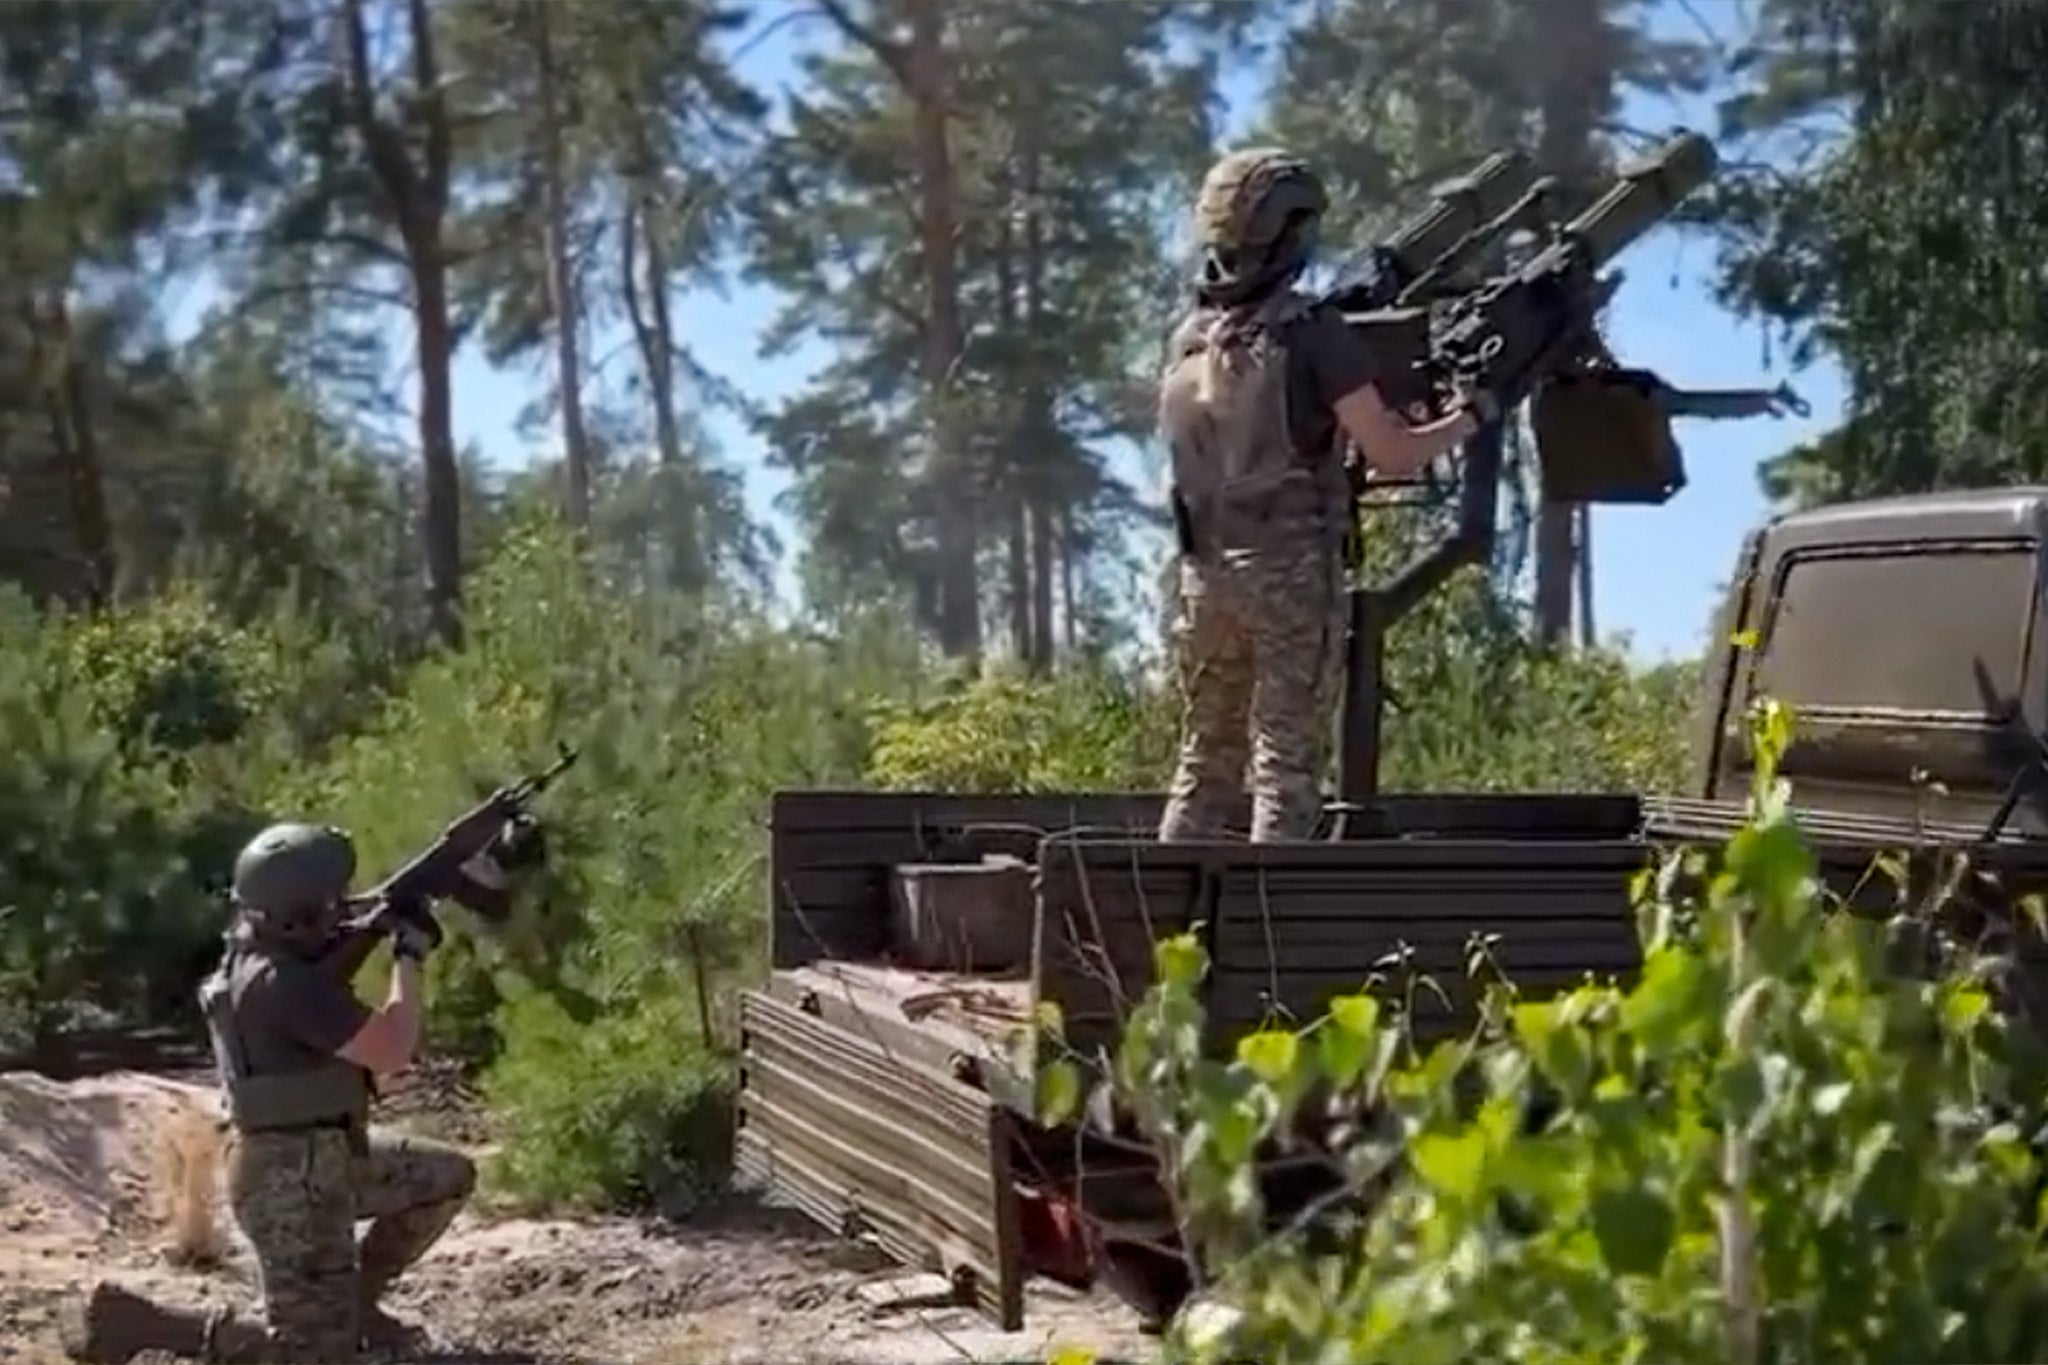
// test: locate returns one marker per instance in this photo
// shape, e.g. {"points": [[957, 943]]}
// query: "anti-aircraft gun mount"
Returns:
{"points": [[1443, 317], [890, 1060]]}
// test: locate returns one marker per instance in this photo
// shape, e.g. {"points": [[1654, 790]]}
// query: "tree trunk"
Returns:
{"points": [[1588, 636], [74, 435], [952, 477], [1573, 96], [1044, 564], [441, 523], [88, 471], [683, 560], [1016, 444], [562, 300], [416, 199], [1039, 484]]}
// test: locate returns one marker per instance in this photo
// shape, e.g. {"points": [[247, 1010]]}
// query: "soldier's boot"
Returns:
{"points": [[108, 1325]]}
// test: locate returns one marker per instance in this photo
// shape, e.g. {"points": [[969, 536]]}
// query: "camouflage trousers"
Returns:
{"points": [[297, 1197], [1259, 648]]}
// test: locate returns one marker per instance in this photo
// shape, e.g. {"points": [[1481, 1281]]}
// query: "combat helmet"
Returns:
{"points": [[1255, 219], [290, 880]]}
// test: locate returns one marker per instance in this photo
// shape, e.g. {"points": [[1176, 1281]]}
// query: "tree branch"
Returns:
{"points": [[387, 154], [891, 54], [426, 75]]}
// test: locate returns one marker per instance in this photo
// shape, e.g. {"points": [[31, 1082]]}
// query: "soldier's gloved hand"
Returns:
{"points": [[413, 939]]}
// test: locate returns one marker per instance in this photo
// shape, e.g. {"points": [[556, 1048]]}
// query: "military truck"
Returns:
{"points": [[889, 1062]]}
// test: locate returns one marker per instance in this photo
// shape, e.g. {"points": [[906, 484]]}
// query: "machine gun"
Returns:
{"points": [[1442, 322], [470, 862]]}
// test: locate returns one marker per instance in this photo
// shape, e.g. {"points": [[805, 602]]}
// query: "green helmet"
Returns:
{"points": [[1251, 198], [293, 877]]}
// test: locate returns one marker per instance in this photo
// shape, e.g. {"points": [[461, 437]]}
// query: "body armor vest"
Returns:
{"points": [[1240, 483], [333, 1091]]}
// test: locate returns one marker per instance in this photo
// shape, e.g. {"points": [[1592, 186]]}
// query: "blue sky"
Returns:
{"points": [[1656, 570]]}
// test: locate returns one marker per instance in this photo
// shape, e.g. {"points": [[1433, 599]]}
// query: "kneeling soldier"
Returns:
{"points": [[297, 1052]]}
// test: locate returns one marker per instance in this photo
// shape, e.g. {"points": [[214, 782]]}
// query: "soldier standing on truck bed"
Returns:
{"points": [[297, 1051], [1259, 381]]}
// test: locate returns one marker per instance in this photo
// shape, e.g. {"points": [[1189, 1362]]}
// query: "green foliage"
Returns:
{"points": [[1080, 730], [175, 673], [1473, 707], [101, 900], [1779, 1144], [1888, 221], [631, 1109]]}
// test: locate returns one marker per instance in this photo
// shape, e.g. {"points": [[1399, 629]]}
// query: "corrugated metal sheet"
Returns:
{"points": [[868, 1141]]}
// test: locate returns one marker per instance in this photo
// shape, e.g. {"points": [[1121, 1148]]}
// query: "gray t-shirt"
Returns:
{"points": [[293, 1016]]}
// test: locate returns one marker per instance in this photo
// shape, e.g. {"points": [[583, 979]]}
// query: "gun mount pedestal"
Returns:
{"points": [[1376, 608]]}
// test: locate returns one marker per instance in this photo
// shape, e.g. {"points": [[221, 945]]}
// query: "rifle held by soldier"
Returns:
{"points": [[471, 862]]}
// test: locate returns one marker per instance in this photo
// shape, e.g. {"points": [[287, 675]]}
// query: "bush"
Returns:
{"points": [[1082, 730], [105, 903], [1776, 1146], [1472, 707], [628, 1110], [174, 674]]}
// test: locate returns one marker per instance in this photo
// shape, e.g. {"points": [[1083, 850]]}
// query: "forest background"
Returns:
{"points": [[758, 395]]}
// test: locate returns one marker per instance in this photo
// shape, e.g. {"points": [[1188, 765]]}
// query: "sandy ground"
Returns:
{"points": [[89, 1170]]}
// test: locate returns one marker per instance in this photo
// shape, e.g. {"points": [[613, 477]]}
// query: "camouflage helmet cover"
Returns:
{"points": [[294, 875], [1250, 196]]}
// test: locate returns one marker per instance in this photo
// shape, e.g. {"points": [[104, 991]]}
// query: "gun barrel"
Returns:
{"points": [[1644, 194], [1460, 206]]}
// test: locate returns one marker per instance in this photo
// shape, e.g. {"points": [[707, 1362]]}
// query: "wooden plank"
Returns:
{"points": [[1522, 816], [1365, 955], [854, 1134], [1430, 855], [907, 810]]}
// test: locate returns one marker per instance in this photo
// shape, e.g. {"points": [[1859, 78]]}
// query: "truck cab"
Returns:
{"points": [[1906, 636]]}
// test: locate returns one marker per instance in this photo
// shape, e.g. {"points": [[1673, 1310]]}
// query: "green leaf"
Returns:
{"points": [[1059, 1092], [1356, 1014], [1668, 1004], [1635, 1229], [1270, 1054], [1179, 961], [1349, 1038], [1963, 1007], [1771, 862], [1452, 1164]]}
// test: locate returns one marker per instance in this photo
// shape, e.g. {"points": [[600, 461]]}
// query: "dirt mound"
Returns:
{"points": [[119, 1176], [84, 1160]]}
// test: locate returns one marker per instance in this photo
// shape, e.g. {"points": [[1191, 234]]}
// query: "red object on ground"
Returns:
{"points": [[1055, 1244]]}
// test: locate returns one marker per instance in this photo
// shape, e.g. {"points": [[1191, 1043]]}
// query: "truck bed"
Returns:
{"points": [[897, 1101]]}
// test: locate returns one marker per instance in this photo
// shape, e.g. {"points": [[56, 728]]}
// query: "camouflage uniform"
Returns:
{"points": [[297, 1198], [305, 1165], [1263, 513]]}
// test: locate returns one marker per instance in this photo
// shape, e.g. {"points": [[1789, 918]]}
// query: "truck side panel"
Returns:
{"points": [[831, 852], [866, 1140], [1289, 926]]}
